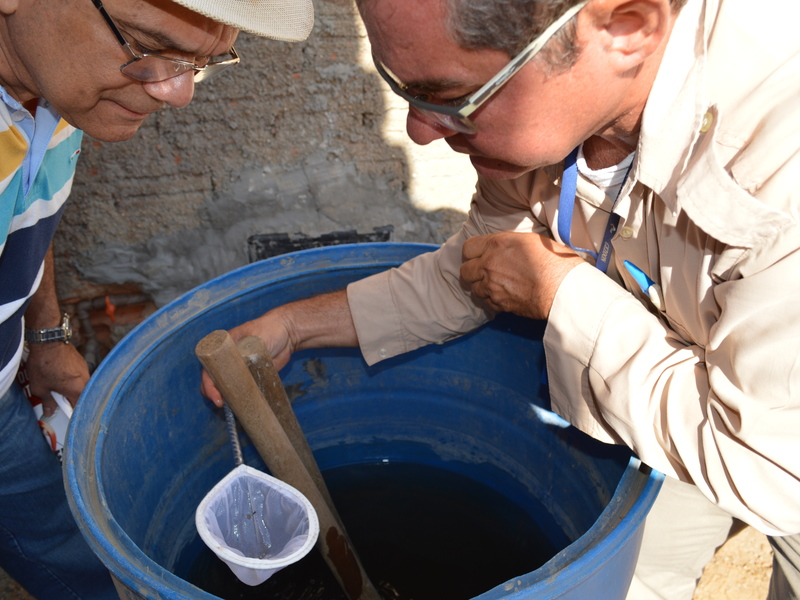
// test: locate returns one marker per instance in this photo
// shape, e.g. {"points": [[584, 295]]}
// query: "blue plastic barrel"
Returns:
{"points": [[144, 446]]}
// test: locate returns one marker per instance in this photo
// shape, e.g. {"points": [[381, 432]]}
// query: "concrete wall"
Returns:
{"points": [[298, 138]]}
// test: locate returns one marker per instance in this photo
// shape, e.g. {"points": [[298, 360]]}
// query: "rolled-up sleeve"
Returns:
{"points": [[424, 301]]}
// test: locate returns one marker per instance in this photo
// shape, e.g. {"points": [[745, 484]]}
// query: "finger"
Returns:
{"points": [[209, 390], [471, 272], [482, 292], [478, 288], [48, 405]]}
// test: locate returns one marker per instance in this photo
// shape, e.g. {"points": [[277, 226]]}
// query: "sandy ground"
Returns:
{"points": [[740, 571]]}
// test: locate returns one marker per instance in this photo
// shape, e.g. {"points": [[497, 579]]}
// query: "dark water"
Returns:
{"points": [[422, 533]]}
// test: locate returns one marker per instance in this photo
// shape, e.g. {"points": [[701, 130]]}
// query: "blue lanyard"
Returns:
{"points": [[566, 204]]}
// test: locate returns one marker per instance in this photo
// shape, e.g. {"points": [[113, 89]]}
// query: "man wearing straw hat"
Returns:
{"points": [[638, 188], [68, 66]]}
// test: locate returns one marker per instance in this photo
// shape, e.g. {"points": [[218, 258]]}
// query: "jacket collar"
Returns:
{"points": [[673, 116], [677, 150]]}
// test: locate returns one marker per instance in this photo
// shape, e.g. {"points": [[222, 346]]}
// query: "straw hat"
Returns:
{"points": [[287, 20]]}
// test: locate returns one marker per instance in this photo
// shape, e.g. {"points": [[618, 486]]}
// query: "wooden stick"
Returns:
{"points": [[257, 357], [221, 358]]}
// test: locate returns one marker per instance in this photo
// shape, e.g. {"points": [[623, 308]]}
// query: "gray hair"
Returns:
{"points": [[509, 25]]}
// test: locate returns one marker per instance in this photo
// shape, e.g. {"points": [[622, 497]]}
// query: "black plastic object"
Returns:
{"points": [[267, 245]]}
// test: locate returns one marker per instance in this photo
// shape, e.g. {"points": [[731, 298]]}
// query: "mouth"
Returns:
{"points": [[494, 168], [135, 113], [458, 144], [477, 158]]}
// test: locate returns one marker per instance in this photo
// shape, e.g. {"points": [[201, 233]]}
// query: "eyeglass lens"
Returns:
{"points": [[150, 68], [157, 68], [451, 122]]}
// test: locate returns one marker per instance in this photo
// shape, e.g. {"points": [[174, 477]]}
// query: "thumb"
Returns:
{"points": [[48, 404], [474, 247]]}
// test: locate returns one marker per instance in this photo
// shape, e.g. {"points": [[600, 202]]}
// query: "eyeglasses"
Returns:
{"points": [[457, 117], [152, 67]]}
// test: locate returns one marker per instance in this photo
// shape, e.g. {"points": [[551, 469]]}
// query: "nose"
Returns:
{"points": [[176, 92], [423, 129]]}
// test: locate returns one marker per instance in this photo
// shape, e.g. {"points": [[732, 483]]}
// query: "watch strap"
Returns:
{"points": [[62, 333]]}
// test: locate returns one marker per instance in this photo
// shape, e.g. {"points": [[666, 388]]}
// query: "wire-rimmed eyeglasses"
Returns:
{"points": [[457, 117], [153, 67]]}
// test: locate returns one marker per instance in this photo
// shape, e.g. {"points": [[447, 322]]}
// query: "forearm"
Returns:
{"points": [[716, 415], [52, 366], [318, 322], [43, 310], [321, 322], [420, 302]]}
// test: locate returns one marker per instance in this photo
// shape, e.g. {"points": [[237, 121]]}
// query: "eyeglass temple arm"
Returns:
{"points": [[117, 34], [526, 55]]}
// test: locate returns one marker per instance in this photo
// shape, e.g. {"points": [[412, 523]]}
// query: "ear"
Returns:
{"points": [[629, 31]]}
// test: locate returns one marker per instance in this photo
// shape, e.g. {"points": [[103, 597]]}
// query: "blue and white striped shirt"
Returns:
{"points": [[37, 164]]}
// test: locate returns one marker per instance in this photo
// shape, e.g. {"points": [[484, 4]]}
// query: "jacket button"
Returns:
{"points": [[708, 121]]}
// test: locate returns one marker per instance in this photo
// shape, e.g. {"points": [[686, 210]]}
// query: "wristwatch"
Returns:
{"points": [[62, 333]]}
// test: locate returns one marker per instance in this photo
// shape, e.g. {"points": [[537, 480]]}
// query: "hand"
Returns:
{"points": [[516, 272], [322, 321], [56, 367], [273, 330]]}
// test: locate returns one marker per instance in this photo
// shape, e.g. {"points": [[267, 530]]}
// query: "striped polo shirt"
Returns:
{"points": [[37, 164]]}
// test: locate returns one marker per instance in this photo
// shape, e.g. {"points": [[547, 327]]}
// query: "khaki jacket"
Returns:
{"points": [[704, 383]]}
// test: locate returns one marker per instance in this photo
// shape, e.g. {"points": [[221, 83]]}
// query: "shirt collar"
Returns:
{"points": [[38, 134], [677, 102], [10, 102]]}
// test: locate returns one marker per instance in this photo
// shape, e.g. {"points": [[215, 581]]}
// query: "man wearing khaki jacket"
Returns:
{"points": [[664, 250]]}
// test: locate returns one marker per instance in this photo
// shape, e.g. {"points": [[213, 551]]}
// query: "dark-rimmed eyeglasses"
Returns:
{"points": [[150, 66], [457, 117]]}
